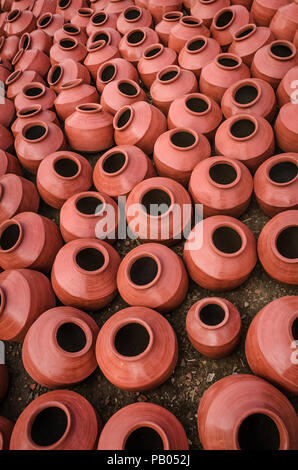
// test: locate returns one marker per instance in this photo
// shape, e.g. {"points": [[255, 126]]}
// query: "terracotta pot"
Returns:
{"points": [[7, 111], [249, 39], [120, 169], [38, 39], [223, 185], [213, 327], [165, 25], [8, 47], [119, 93], [159, 7], [89, 128], [4, 381], [286, 128], [178, 151], [9, 164], [36, 141], [152, 276], [184, 30], [17, 194], [32, 59], [25, 295], [32, 113], [82, 17], [19, 22], [69, 30], [50, 23], [110, 35], [222, 72], [277, 247], [206, 9], [133, 17], [245, 412], [115, 69], [139, 124], [251, 95], [100, 20], [287, 89], [273, 61], [65, 72], [276, 184], [68, 8], [62, 174], [264, 10], [227, 21], [41, 7], [67, 48], [6, 139], [35, 93], [72, 94], [117, 6], [143, 426], [57, 420], [6, 428], [80, 267], [4, 73], [133, 44], [137, 349], [22, 4], [89, 215], [18, 79], [99, 53], [154, 58], [170, 83], [284, 24], [198, 52], [245, 137]]}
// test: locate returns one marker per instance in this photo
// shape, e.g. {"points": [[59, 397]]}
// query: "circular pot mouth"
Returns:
{"points": [[212, 313], [228, 61], [128, 88], [72, 84], [33, 90], [89, 108], [224, 174], [132, 14], [89, 204], [13, 15], [243, 127], [29, 111], [68, 44], [13, 77], [223, 18], [107, 72], [99, 18], [45, 20], [246, 94], [196, 45], [136, 37], [132, 339], [197, 104], [67, 167], [35, 131], [190, 21], [146, 435], [72, 337], [102, 35], [228, 240], [85, 12], [285, 244], [11, 235], [157, 202], [172, 16], [91, 259], [96, 46], [245, 32], [123, 118], [25, 41], [282, 172], [63, 4], [17, 57], [153, 51], [143, 271], [114, 162], [55, 74], [71, 29], [183, 138], [168, 74], [282, 50]]}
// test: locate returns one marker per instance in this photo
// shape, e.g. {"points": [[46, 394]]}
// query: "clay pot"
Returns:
{"points": [[196, 111], [170, 83], [275, 324], [264, 10], [249, 39], [89, 128], [285, 91], [213, 327], [38, 39], [197, 52], [6, 139], [154, 58], [110, 35], [22, 4], [119, 93], [276, 184], [18, 79], [89, 215], [253, 96], [115, 69], [41, 7], [152, 276], [50, 23], [206, 9], [165, 25], [7, 111], [65, 72], [133, 17], [99, 53], [223, 185], [277, 247], [62, 174], [133, 44], [69, 30], [139, 124], [159, 7], [137, 349], [244, 412], [117, 6], [178, 151], [36, 141], [32, 59], [32, 113], [222, 72], [284, 24], [19, 22], [184, 30], [9, 164], [67, 48], [17, 194], [4, 381], [72, 94], [68, 8], [59, 348], [80, 267], [57, 420], [120, 169], [227, 21], [4, 73], [245, 137], [100, 20], [82, 17], [35, 93], [286, 128], [98, 5], [8, 47], [273, 61], [6, 428], [25, 295], [143, 426]]}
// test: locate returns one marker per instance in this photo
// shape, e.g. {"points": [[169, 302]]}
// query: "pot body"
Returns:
{"points": [[6, 428], [82, 17], [18, 79], [30, 114], [65, 72], [116, 7], [19, 22], [7, 112], [227, 21], [38, 39], [287, 89], [207, 10], [32, 59], [249, 39], [71, 95], [154, 58], [42, 95], [6, 139], [184, 30], [284, 24], [165, 25], [132, 49], [50, 23], [115, 69], [67, 48], [9, 47], [70, 8], [9, 164], [68, 30], [264, 10], [198, 52], [133, 17], [101, 19], [17, 195], [119, 93], [286, 128]]}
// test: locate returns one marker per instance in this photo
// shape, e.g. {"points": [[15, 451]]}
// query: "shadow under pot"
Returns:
{"points": [[50, 23], [32, 59], [285, 91], [97, 54], [25, 295], [119, 93], [286, 128], [6, 428], [4, 381], [167, 22], [248, 40], [73, 94], [133, 17], [223, 185], [197, 52], [213, 327], [84, 274], [30, 114], [57, 420], [220, 253], [35, 93], [65, 72], [152, 276], [158, 8], [244, 412], [19, 22], [67, 48], [206, 9], [17, 194], [278, 247], [186, 28], [143, 426], [18, 79], [115, 69], [134, 43], [276, 184], [9, 164], [227, 21], [137, 349], [153, 59]]}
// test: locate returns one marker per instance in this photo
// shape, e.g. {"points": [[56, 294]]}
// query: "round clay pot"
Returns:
{"points": [[287, 89], [69, 30], [6, 139], [65, 72], [139, 124], [170, 83], [213, 327], [25, 294], [59, 348], [42, 6], [154, 58], [276, 184], [117, 6], [17, 194], [32, 59], [222, 72], [159, 7], [37, 39], [227, 21], [89, 128], [7, 111], [251, 95], [220, 253], [143, 426], [284, 24], [264, 10], [134, 43], [178, 151], [110, 35], [277, 247], [57, 420], [133, 17], [68, 8], [101, 19], [286, 128], [244, 412], [197, 52], [152, 276], [4, 382], [19, 22], [67, 48], [137, 349], [72, 94], [115, 69], [50, 23], [80, 267], [119, 93], [82, 17], [224, 186], [36, 141], [32, 113], [120, 169], [18, 79], [35, 93], [184, 30], [168, 21], [245, 137], [6, 428], [62, 174], [9, 164], [8, 47], [89, 215], [99, 53], [249, 39], [206, 9]]}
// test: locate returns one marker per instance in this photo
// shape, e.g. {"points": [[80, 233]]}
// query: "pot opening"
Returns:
{"points": [[212, 314], [108, 73], [33, 91], [190, 21], [49, 426], [124, 118], [156, 202], [258, 432], [45, 20], [287, 242], [89, 205], [228, 62], [196, 45], [28, 111], [144, 438], [67, 43], [13, 15], [135, 37], [90, 259], [66, 167], [243, 128], [71, 337], [246, 94], [132, 14], [127, 89], [165, 77], [101, 37], [56, 74], [25, 41], [295, 329], [227, 240], [153, 52], [281, 50], [9, 237], [197, 105], [85, 12], [114, 162], [224, 19], [283, 172], [13, 76], [64, 3], [132, 339], [183, 139], [244, 32], [99, 18], [35, 132], [71, 29], [223, 173], [143, 271], [172, 16]]}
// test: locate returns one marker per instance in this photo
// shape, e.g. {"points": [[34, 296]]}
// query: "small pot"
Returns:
{"points": [[37, 39], [65, 72], [133, 17], [158, 8], [18, 79], [206, 10], [69, 30], [97, 54], [134, 43], [284, 24], [286, 128], [184, 30], [82, 17], [32, 59], [73, 94], [166, 24], [17, 194], [32, 113], [197, 52], [9, 164], [8, 47], [264, 10], [285, 93], [248, 40], [68, 8], [19, 22], [227, 21], [154, 58], [119, 93], [115, 69], [101, 19], [67, 48], [50, 23], [35, 93], [6, 428]]}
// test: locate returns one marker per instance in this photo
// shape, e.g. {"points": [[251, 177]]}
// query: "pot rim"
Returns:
{"points": [[36, 110], [67, 38], [17, 13], [76, 33], [65, 6], [282, 158], [86, 330], [282, 42], [237, 229], [4, 225], [118, 115], [96, 46], [62, 156], [17, 57], [198, 22], [71, 84], [131, 82], [246, 82], [85, 12], [92, 194], [27, 86], [15, 75], [274, 238], [124, 322], [240, 117], [52, 71], [218, 14], [136, 44], [43, 124], [133, 259], [163, 188], [228, 55], [107, 155], [48, 15], [251, 26], [226, 161], [152, 47], [194, 39], [97, 13], [177, 16], [214, 301], [200, 96], [102, 68], [22, 39], [148, 424], [90, 243], [2, 307], [168, 68], [187, 130], [93, 108], [133, 7], [95, 33]]}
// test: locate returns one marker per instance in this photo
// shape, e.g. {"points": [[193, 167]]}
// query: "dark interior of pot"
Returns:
{"points": [[66, 167], [197, 105], [89, 205], [165, 77], [56, 74], [224, 19], [25, 41], [45, 20], [281, 50], [135, 37], [246, 94], [49, 426], [183, 139], [71, 337], [212, 314], [196, 45], [244, 32], [101, 37], [228, 62], [227, 240], [156, 202], [152, 52], [35, 132], [283, 172], [9, 237], [123, 118], [287, 243], [70, 28], [107, 73], [127, 89], [132, 339], [132, 14], [67, 43], [190, 21], [144, 438], [114, 162], [143, 271], [90, 259], [223, 173], [295, 329], [28, 111], [243, 128], [12, 15], [33, 91], [64, 3], [258, 432], [99, 18], [172, 16]]}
